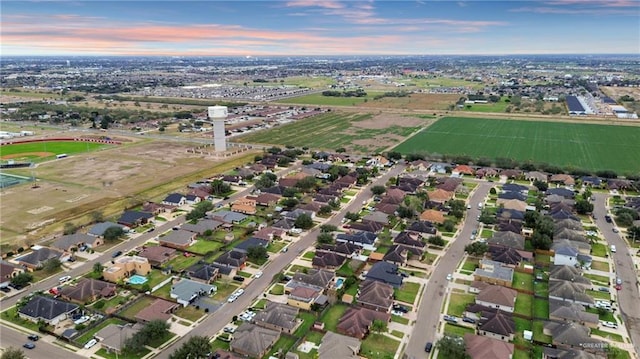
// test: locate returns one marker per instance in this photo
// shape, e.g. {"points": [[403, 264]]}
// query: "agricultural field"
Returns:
{"points": [[109, 180], [585, 146], [416, 101], [38, 151], [318, 99], [364, 133]]}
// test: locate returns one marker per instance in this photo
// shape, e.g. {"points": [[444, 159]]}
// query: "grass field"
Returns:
{"points": [[318, 99], [585, 146], [45, 150], [354, 132]]}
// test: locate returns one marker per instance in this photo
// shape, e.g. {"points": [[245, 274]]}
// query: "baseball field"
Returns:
{"points": [[584, 146], [45, 150]]}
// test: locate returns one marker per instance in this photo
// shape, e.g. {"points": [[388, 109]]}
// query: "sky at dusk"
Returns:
{"points": [[317, 27]]}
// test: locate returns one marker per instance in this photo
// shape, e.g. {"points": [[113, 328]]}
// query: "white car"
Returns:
{"points": [[609, 324], [449, 277], [258, 275], [398, 313], [238, 292], [232, 298], [90, 344], [82, 319]]}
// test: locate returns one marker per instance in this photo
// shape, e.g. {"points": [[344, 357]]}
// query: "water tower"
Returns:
{"points": [[217, 115]]}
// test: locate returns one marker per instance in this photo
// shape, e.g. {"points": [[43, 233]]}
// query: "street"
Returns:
{"points": [[43, 349], [216, 321], [628, 298], [433, 296]]}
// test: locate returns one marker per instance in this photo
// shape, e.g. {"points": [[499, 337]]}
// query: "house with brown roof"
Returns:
{"points": [[7, 272], [304, 296], [268, 233], [562, 178], [482, 347], [449, 184], [486, 172], [433, 216], [233, 259], [514, 204], [246, 205], [463, 170], [536, 176], [207, 273], [387, 208], [375, 295], [280, 317], [88, 290], [327, 260], [337, 346], [495, 296], [439, 195], [157, 255], [253, 340], [356, 321], [499, 325], [159, 309], [267, 199]]}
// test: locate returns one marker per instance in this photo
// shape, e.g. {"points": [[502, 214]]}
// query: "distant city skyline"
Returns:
{"points": [[317, 27]]}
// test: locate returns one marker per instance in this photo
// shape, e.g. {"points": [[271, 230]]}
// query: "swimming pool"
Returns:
{"points": [[137, 279], [339, 282]]}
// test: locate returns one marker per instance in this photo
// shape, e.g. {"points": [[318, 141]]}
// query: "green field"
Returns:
{"points": [[584, 146], [331, 131], [53, 147], [318, 99]]}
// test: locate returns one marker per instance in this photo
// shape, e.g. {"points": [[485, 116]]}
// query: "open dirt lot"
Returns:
{"points": [[115, 178], [417, 101], [617, 92]]}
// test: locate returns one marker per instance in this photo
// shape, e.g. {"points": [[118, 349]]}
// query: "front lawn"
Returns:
{"points": [[11, 315], [408, 292], [204, 246], [219, 344], [602, 280], [309, 255], [181, 262], [470, 264], [605, 315], [607, 335], [524, 303], [84, 338], [189, 313], [277, 289], [601, 266], [523, 281], [598, 250], [131, 311], [458, 302], [104, 354], [225, 288], [332, 316], [379, 346], [158, 341], [540, 308], [458, 330], [596, 294], [276, 246], [399, 319]]}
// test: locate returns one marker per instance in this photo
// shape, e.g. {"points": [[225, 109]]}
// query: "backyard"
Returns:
{"points": [[204, 246], [523, 281], [332, 316]]}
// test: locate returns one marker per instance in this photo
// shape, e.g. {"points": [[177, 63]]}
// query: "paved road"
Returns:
{"points": [[216, 321], [628, 297], [13, 338], [431, 303]]}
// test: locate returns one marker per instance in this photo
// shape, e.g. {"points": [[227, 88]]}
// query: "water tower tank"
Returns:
{"points": [[216, 112]]}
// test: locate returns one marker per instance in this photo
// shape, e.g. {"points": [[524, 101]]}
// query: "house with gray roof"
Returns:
{"points": [[493, 272], [571, 335], [179, 239], [227, 216], [327, 260], [278, 316], [377, 216], [201, 226], [203, 272], [174, 199], [366, 240], [565, 255], [232, 258], [70, 242], [37, 258], [133, 219], [572, 312], [582, 247], [507, 239], [113, 337], [499, 325], [250, 242], [316, 277], [375, 295], [496, 296], [253, 340], [568, 273], [49, 310], [569, 292], [98, 229], [334, 345], [186, 291], [385, 272]]}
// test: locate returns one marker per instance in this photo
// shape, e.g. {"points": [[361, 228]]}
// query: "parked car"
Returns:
{"points": [[232, 298], [604, 289], [90, 344], [229, 330], [33, 337], [468, 320], [613, 248], [116, 254], [5, 289], [608, 218], [64, 279], [615, 230], [428, 347], [258, 275], [400, 308], [609, 324], [449, 277], [238, 278], [83, 319], [29, 345], [450, 318]]}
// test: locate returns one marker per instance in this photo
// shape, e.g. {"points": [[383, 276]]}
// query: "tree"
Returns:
{"points": [[303, 221], [378, 190], [97, 216], [325, 210], [540, 185], [289, 192], [583, 206], [452, 348], [256, 253], [112, 233], [449, 225], [307, 184], [219, 187], [436, 241], [13, 353], [541, 241], [289, 202], [633, 233], [326, 228], [486, 217], [352, 216], [69, 228], [392, 155], [98, 268], [22, 279], [325, 238], [52, 265], [196, 347], [405, 212], [153, 329], [476, 249], [379, 326]]}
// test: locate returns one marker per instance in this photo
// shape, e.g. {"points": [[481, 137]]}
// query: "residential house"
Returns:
{"points": [[284, 224], [377, 217], [569, 292], [572, 312], [317, 277], [113, 337], [509, 214], [156, 208], [38, 257], [387, 208], [133, 219], [178, 239], [366, 240], [124, 267], [433, 216], [385, 272], [201, 226], [7, 272], [482, 347], [462, 170], [253, 340], [449, 184], [267, 199], [439, 195], [250, 242], [98, 229], [512, 195], [567, 335], [423, 227], [327, 260], [486, 172], [277, 316], [510, 173], [175, 199], [344, 249], [375, 295], [494, 273], [304, 296], [419, 165], [507, 239], [268, 233], [568, 273], [410, 239], [562, 178], [499, 297], [499, 325], [232, 258], [157, 255], [186, 291], [192, 199], [536, 176], [159, 309], [555, 353], [399, 254], [87, 290], [565, 255], [581, 247], [227, 216], [564, 192], [356, 321], [514, 204], [49, 310], [514, 187], [367, 226], [334, 346], [293, 215], [509, 256], [205, 273], [246, 205]]}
